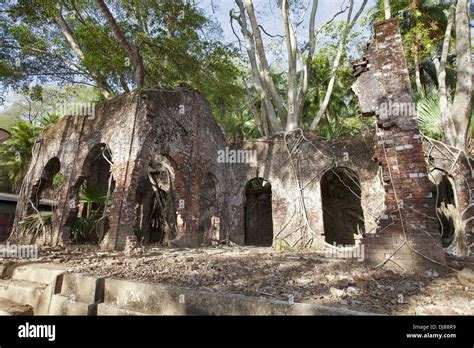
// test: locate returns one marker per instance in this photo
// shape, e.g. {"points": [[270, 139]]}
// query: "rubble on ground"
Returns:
{"points": [[304, 277]]}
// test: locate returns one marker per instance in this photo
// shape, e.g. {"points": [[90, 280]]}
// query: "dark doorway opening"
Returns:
{"points": [[93, 191], [43, 201], [49, 184], [155, 211], [342, 210], [258, 213]]}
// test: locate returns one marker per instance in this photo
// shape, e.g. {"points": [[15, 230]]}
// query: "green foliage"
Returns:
{"points": [[345, 127], [58, 181], [26, 116], [282, 245], [35, 222], [342, 118], [429, 114], [82, 228], [93, 198], [178, 42], [15, 153], [422, 25], [256, 184], [94, 202]]}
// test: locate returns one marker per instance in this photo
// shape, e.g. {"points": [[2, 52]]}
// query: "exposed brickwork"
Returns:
{"points": [[312, 160], [408, 231], [177, 125]]}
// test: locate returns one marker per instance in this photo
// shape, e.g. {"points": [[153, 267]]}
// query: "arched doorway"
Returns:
{"points": [[155, 210], [89, 218], [258, 213], [43, 200], [49, 184], [342, 210]]}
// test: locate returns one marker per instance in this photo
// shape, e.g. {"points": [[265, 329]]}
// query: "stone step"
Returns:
{"points": [[21, 291], [67, 305], [39, 273], [82, 287], [159, 299], [143, 297], [11, 308]]}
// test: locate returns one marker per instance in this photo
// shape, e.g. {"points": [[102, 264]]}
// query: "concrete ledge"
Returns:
{"points": [[82, 287], [21, 291], [36, 272], [64, 305], [161, 299]]}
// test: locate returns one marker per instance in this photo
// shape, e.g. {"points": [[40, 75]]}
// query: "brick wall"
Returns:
{"points": [[136, 127], [408, 233]]}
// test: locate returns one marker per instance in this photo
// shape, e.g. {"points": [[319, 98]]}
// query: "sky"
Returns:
{"points": [[266, 8], [268, 15]]}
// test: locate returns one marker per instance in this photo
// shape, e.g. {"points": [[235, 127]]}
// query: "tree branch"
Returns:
{"points": [[133, 52]]}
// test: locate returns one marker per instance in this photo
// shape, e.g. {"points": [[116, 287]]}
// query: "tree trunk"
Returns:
{"points": [[99, 79], [444, 103], [349, 24], [461, 108], [133, 52], [307, 66], [386, 7], [292, 119], [266, 77], [419, 86], [268, 111]]}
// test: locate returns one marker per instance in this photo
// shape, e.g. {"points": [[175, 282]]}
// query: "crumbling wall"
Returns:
{"points": [[300, 161], [136, 127], [408, 236]]}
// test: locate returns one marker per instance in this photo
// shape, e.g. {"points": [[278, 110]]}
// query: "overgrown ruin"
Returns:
{"points": [[155, 154]]}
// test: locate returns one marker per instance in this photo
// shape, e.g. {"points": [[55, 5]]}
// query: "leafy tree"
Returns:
{"points": [[16, 153], [284, 112], [92, 43]]}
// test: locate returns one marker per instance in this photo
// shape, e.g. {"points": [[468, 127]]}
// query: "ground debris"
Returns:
{"points": [[306, 277]]}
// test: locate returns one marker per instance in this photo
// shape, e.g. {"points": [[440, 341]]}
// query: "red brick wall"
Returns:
{"points": [[408, 236]]}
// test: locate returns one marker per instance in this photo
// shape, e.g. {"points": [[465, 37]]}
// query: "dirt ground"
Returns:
{"points": [[303, 277]]}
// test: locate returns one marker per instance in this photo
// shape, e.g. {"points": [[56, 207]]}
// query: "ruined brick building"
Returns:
{"points": [[156, 154]]}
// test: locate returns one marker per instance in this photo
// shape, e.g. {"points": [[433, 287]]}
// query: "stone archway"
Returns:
{"points": [[258, 213], [155, 208], [90, 197], [342, 210]]}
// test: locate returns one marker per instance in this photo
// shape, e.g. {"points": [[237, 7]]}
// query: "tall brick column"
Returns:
{"points": [[408, 236]]}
